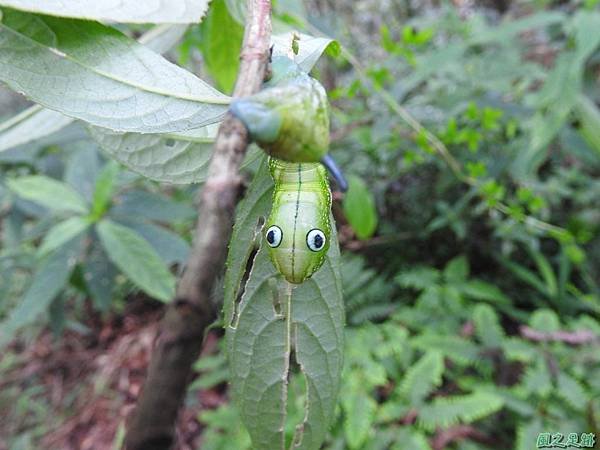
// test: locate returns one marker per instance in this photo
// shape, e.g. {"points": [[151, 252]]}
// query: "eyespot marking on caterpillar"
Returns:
{"points": [[315, 240], [274, 235]]}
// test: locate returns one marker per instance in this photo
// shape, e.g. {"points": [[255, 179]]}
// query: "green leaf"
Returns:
{"points": [[422, 377], [536, 378], [487, 326], [49, 279], [418, 278], [571, 390], [310, 48], [221, 50], [359, 208], [177, 159], [37, 122], [457, 270], [48, 192], [138, 204], [29, 125], [545, 269], [359, 413], [589, 116], [511, 28], [137, 259], [525, 275], [134, 89], [447, 411], [171, 247], [105, 184], [99, 276], [480, 290], [527, 433], [254, 207], [456, 348], [82, 169], [62, 233], [131, 11], [560, 93], [261, 328], [544, 319]]}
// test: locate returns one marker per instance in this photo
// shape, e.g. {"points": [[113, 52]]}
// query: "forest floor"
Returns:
{"points": [[78, 392]]}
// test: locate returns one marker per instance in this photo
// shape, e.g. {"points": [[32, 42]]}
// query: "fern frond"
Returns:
{"points": [[527, 434], [422, 377], [444, 412], [418, 278], [571, 391], [537, 379], [456, 348], [517, 349], [410, 438], [487, 326], [369, 313], [367, 293], [359, 412]]}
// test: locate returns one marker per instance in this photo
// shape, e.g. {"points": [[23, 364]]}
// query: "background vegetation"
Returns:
{"points": [[470, 239]]}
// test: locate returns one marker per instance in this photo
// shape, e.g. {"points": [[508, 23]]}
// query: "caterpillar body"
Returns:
{"points": [[289, 120], [298, 230]]}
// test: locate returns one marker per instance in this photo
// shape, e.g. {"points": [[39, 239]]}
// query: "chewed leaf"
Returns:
{"points": [[254, 206], [97, 74], [131, 11], [270, 321], [310, 48]]}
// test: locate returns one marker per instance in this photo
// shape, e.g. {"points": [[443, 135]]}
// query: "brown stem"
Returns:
{"points": [[577, 337], [188, 316]]}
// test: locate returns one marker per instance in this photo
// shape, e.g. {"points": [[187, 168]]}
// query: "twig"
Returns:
{"points": [[188, 316], [578, 337]]}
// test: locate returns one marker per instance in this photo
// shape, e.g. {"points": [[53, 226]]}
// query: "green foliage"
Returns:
{"points": [[221, 50], [137, 259], [447, 411], [359, 208], [472, 296], [95, 205], [49, 193], [422, 378]]}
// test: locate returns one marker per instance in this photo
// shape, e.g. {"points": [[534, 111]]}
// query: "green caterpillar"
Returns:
{"points": [[298, 230], [289, 119]]}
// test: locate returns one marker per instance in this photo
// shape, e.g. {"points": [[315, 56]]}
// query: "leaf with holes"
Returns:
{"points": [[269, 322]]}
